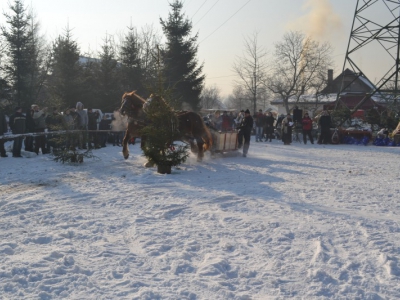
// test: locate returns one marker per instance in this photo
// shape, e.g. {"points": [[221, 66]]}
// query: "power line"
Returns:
{"points": [[224, 22], [221, 76], [199, 8], [206, 12]]}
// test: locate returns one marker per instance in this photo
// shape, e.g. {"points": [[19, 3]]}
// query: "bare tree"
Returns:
{"points": [[210, 98], [239, 99], [298, 63], [252, 68]]}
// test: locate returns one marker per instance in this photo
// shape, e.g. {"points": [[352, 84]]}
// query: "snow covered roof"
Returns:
{"points": [[324, 99]]}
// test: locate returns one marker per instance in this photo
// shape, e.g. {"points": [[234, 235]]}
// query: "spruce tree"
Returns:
{"points": [[109, 86], [66, 71], [181, 70], [23, 51], [131, 66], [162, 132], [5, 89]]}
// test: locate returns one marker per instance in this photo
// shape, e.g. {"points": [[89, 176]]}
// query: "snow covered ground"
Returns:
{"points": [[287, 222]]}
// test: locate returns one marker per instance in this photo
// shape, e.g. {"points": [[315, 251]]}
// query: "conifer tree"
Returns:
{"points": [[23, 67], [131, 66], [181, 70], [109, 87], [65, 80]]}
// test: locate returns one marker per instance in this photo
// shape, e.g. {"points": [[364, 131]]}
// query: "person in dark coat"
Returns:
{"points": [[325, 123], [269, 126], [260, 124], [30, 128], [279, 126], [17, 124], [306, 122], [39, 116], [92, 126], [246, 127], [3, 130], [287, 125]]}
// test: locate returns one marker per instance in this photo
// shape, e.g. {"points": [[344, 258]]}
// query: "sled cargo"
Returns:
{"points": [[225, 141]]}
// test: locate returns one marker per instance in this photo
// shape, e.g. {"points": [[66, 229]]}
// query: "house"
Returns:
{"points": [[355, 88]]}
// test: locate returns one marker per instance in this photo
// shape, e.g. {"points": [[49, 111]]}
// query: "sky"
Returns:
{"points": [[287, 222], [222, 26]]}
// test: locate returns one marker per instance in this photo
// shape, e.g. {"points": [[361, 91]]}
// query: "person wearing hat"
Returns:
{"points": [[245, 128], [17, 125]]}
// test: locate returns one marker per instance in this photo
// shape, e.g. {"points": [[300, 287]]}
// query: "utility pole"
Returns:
{"points": [[384, 34]]}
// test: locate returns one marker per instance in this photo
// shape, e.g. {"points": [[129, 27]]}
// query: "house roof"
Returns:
{"points": [[305, 99], [352, 100]]}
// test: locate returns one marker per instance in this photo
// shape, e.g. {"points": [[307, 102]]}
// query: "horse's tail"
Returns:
{"points": [[207, 137]]}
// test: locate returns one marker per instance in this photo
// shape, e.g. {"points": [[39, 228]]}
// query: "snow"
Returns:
{"points": [[298, 221]]}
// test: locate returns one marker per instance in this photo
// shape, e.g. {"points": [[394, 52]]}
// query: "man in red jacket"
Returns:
{"points": [[307, 128]]}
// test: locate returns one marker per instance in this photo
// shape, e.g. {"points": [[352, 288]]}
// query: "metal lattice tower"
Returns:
{"points": [[376, 31]]}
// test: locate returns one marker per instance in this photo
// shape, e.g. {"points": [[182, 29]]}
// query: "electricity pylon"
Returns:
{"points": [[376, 24]]}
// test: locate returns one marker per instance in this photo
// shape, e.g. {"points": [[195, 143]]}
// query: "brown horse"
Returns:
{"points": [[191, 125]]}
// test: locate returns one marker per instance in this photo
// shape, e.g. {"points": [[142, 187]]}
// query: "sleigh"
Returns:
{"points": [[224, 141]]}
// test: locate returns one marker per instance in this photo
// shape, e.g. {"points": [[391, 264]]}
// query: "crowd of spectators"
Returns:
{"points": [[267, 126], [39, 131]]}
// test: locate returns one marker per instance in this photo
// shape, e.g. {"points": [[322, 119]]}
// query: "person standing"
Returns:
{"points": [[287, 125], [279, 126], [3, 130], [226, 124], [306, 122], [246, 127], [39, 116], [216, 121], [238, 121], [30, 128], [93, 116], [17, 125], [325, 123], [260, 123], [269, 126], [83, 124]]}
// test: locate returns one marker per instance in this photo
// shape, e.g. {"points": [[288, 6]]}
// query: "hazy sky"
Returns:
{"points": [[222, 25]]}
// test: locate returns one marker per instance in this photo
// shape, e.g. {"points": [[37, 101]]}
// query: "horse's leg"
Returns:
{"points": [[200, 149], [125, 149], [148, 164]]}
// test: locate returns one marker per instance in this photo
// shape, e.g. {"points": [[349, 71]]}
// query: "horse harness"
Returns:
{"points": [[132, 111]]}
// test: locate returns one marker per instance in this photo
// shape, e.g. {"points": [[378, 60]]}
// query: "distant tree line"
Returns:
{"points": [[58, 74]]}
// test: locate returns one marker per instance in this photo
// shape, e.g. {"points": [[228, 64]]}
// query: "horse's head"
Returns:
{"points": [[131, 103]]}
